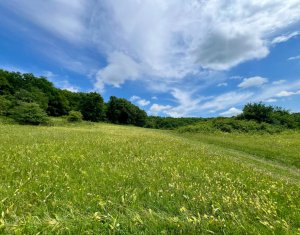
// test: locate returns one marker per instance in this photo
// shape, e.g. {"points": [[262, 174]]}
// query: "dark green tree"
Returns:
{"points": [[5, 105], [92, 107], [121, 111], [258, 112]]}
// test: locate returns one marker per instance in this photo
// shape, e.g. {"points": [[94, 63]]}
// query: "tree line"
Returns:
{"points": [[30, 99]]}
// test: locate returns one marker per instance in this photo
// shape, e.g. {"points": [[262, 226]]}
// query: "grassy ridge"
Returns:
{"points": [[103, 179]]}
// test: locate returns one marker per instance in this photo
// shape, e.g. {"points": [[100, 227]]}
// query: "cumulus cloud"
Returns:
{"points": [[120, 68], [139, 101], [164, 40], [231, 112], [157, 109], [253, 82]]}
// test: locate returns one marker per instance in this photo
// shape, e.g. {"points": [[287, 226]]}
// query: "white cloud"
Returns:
{"points": [[231, 112], [287, 93], [154, 98], [143, 102], [120, 68], [294, 57], [271, 100], [279, 82], [284, 38], [139, 101], [253, 82], [160, 41], [157, 109], [226, 100], [63, 18], [187, 103], [134, 98], [172, 39], [222, 84]]}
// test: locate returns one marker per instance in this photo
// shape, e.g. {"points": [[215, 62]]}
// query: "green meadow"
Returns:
{"points": [[110, 179]]}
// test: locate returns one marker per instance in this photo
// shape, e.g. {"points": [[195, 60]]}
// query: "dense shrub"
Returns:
{"points": [[74, 116], [170, 123], [232, 125], [29, 113]]}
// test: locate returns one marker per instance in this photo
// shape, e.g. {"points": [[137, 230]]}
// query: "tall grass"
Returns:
{"points": [[105, 179]]}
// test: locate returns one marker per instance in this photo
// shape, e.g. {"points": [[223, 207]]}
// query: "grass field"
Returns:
{"points": [[106, 179]]}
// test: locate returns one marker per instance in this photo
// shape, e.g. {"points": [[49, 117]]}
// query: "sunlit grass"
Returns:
{"points": [[99, 179]]}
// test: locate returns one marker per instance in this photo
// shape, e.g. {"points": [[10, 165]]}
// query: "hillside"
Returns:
{"points": [[103, 178]]}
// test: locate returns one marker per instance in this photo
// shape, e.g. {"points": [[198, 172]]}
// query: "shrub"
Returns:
{"points": [[29, 113], [232, 125], [74, 116]]}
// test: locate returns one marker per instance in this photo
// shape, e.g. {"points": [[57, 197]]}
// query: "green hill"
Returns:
{"points": [[109, 179]]}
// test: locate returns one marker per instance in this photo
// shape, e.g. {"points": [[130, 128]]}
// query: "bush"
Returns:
{"points": [[232, 125], [29, 113], [74, 116]]}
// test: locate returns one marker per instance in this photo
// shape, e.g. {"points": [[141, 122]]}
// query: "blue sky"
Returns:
{"points": [[170, 57]]}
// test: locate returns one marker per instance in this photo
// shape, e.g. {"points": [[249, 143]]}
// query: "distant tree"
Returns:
{"points": [[33, 95], [258, 112], [5, 105], [92, 107], [74, 116], [5, 87], [121, 111], [29, 113], [58, 104]]}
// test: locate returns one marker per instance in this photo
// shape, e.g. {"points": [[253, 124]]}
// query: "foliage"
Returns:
{"points": [[231, 125], [273, 115], [121, 111], [29, 113], [170, 123], [74, 116], [92, 107], [124, 180], [5, 105], [258, 112]]}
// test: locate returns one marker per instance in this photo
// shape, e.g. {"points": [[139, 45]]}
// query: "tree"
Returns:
{"points": [[33, 95], [92, 107], [74, 116], [121, 111], [29, 113], [58, 104], [258, 112], [5, 105]]}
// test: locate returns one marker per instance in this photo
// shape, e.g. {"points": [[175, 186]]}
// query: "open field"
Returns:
{"points": [[99, 179]]}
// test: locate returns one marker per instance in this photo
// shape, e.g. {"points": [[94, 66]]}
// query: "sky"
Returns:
{"points": [[179, 58]]}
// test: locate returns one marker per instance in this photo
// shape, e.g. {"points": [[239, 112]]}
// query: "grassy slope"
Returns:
{"points": [[282, 148], [126, 180]]}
